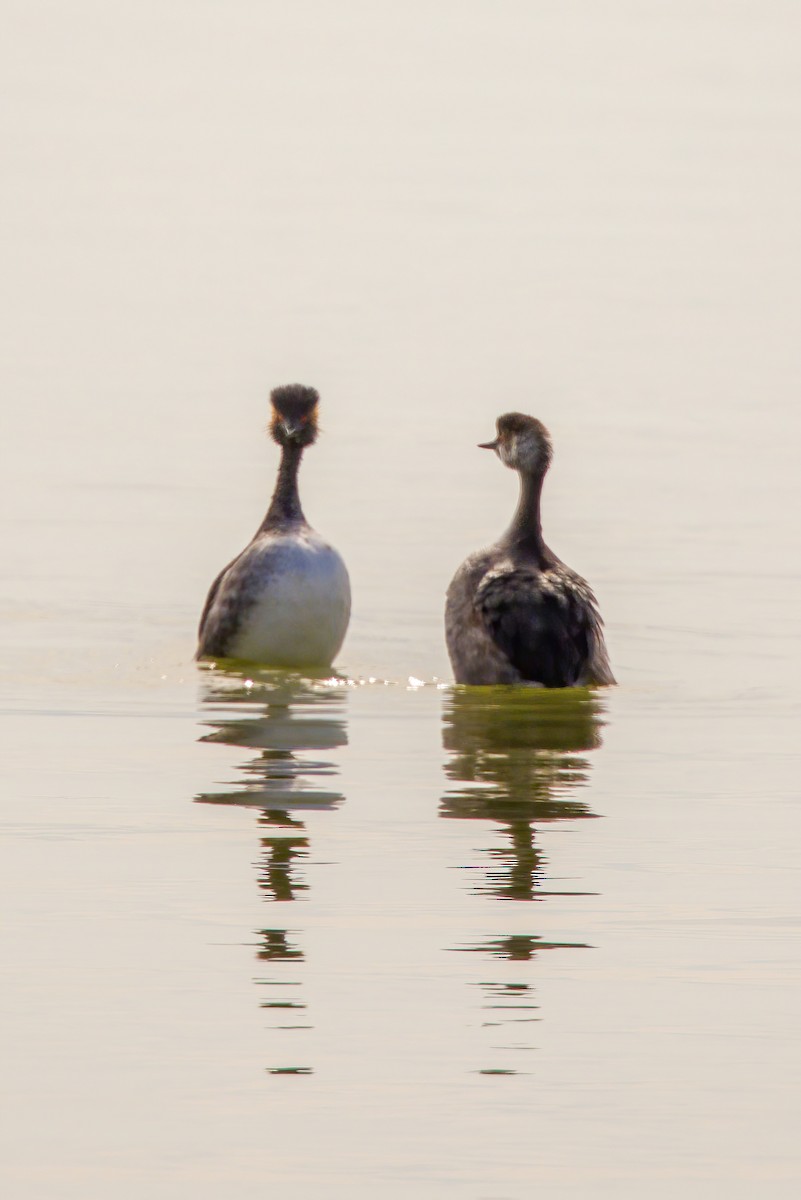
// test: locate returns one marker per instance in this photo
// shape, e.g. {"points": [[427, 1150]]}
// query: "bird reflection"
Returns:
{"points": [[513, 761], [275, 946], [281, 716], [516, 758], [293, 724], [280, 855]]}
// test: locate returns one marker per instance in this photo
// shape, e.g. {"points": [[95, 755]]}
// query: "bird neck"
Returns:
{"points": [[285, 506], [525, 531]]}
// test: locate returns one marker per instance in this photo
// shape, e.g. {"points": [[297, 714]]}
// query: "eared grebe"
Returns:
{"points": [[285, 600], [515, 613]]}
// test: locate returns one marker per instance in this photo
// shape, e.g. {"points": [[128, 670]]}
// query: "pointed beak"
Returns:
{"points": [[290, 428], [488, 445]]}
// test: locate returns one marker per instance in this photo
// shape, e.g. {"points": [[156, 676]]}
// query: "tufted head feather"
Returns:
{"points": [[523, 443], [294, 416]]}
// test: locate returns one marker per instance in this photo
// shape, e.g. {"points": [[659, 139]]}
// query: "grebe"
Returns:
{"points": [[285, 600], [515, 613]]}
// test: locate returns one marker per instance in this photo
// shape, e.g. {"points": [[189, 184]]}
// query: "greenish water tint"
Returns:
{"points": [[514, 754], [515, 760]]}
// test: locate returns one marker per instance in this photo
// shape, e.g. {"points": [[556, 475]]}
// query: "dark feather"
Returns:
{"points": [[545, 622], [219, 622]]}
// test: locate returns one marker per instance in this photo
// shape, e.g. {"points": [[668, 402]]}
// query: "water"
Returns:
{"points": [[371, 935]]}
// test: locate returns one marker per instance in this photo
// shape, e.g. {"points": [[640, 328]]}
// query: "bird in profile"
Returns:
{"points": [[285, 600], [514, 612]]}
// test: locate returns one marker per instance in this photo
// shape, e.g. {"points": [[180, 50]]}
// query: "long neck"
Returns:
{"points": [[525, 531], [285, 505]]}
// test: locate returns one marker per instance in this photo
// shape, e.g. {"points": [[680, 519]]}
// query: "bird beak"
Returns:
{"points": [[290, 428], [488, 445]]}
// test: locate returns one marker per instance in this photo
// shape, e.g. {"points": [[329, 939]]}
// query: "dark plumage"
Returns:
{"points": [[294, 416], [515, 613]]}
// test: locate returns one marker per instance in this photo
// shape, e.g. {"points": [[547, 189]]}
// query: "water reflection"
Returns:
{"points": [[512, 758], [295, 724], [282, 855], [275, 946], [282, 716], [516, 759]]}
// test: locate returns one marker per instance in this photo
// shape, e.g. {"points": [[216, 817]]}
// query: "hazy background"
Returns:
{"points": [[432, 212]]}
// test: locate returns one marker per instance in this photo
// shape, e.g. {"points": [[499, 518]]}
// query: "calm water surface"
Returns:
{"points": [[373, 935]]}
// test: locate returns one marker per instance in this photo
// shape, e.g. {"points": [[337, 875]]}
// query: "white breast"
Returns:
{"points": [[299, 602]]}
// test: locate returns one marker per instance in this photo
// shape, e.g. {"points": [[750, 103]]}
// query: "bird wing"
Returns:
{"points": [[213, 590], [544, 621], [216, 622]]}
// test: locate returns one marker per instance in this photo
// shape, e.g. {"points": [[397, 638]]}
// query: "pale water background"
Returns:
{"points": [[384, 939]]}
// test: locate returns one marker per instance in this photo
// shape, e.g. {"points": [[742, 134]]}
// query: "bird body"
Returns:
{"points": [[515, 612], [285, 600], [510, 622]]}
